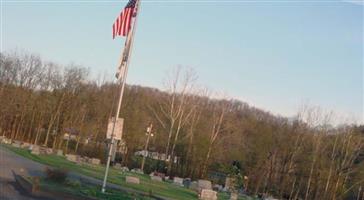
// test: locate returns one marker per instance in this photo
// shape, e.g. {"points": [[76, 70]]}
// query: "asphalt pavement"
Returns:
{"points": [[9, 162]]}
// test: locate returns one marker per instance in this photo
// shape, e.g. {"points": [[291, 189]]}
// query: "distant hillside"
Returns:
{"points": [[285, 158]]}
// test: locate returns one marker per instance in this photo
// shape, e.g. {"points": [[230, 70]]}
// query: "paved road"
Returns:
{"points": [[8, 162]]}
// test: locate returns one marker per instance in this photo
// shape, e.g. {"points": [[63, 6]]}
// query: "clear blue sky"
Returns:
{"points": [[272, 54]]}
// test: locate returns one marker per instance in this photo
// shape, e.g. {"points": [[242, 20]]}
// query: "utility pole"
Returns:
{"points": [[149, 134]]}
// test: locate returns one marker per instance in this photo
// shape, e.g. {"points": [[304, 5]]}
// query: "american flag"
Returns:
{"points": [[122, 25]]}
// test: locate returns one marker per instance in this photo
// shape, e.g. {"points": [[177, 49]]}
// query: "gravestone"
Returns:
{"points": [[35, 150], [95, 161], [178, 181], [217, 187], [194, 185], [132, 179], [117, 166], [187, 182], [233, 196], [79, 160], [25, 145], [156, 178], [59, 152], [162, 175], [6, 140], [49, 151], [71, 157], [86, 159], [207, 194], [16, 144], [125, 169], [203, 184], [42, 150], [137, 170]]}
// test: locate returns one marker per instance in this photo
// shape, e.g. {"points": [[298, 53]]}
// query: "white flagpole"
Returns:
{"points": [[130, 38]]}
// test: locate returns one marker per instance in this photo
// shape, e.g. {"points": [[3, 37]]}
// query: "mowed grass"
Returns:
{"points": [[146, 185], [90, 191]]}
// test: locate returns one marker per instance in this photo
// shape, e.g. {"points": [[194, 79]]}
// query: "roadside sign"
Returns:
{"points": [[118, 132]]}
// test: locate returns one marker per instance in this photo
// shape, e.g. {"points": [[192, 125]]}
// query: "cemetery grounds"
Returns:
{"points": [[165, 189]]}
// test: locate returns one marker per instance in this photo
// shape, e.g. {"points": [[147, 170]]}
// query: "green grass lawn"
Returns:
{"points": [[146, 185], [86, 190]]}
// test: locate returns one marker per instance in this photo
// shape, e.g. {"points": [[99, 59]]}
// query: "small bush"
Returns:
{"points": [[56, 175], [74, 184]]}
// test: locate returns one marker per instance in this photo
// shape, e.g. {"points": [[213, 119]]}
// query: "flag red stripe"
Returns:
{"points": [[118, 26], [128, 24], [122, 24], [125, 13], [127, 19]]}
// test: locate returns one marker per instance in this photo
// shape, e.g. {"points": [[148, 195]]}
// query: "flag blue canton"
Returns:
{"points": [[131, 4]]}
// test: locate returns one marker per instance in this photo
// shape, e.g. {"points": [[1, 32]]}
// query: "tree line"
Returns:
{"points": [[300, 158]]}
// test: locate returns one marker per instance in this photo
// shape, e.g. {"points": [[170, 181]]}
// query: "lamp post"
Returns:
{"points": [[149, 134]]}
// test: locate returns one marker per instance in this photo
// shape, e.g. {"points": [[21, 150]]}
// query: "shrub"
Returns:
{"points": [[74, 184], [56, 175]]}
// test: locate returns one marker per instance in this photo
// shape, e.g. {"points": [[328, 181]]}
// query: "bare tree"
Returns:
{"points": [[175, 111], [316, 118], [219, 111]]}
